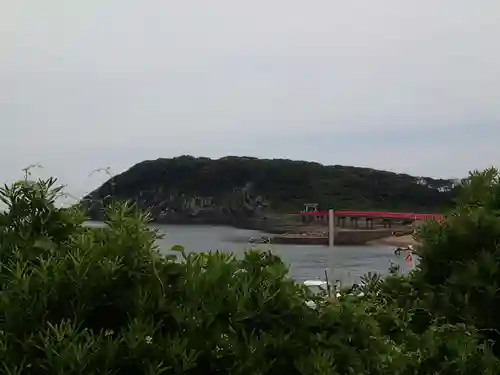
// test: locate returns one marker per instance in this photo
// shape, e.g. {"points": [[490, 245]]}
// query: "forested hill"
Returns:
{"points": [[246, 185]]}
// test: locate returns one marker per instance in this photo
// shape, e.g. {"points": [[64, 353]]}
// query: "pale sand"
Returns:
{"points": [[395, 241]]}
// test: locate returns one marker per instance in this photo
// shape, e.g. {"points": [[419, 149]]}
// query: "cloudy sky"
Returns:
{"points": [[407, 86]]}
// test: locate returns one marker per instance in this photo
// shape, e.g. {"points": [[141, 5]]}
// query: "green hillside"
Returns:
{"points": [[244, 185]]}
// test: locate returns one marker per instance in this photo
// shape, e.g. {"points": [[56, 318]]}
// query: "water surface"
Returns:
{"points": [[349, 263]]}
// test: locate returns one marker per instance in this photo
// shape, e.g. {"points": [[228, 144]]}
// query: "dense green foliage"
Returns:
{"points": [[285, 184], [79, 300], [460, 264]]}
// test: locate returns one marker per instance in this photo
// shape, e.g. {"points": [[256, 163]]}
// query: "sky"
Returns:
{"points": [[405, 86]]}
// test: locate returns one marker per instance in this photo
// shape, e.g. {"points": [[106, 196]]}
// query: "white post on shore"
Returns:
{"points": [[331, 242], [331, 228]]}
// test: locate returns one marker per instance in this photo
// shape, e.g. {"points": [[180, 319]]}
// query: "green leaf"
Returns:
{"points": [[44, 243]]}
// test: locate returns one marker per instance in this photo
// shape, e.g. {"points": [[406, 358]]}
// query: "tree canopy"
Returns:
{"points": [[284, 185]]}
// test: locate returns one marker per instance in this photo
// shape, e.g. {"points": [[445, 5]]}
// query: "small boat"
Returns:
{"points": [[318, 284], [318, 287], [399, 250], [259, 240]]}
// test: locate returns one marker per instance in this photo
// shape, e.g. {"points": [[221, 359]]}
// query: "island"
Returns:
{"points": [[264, 194]]}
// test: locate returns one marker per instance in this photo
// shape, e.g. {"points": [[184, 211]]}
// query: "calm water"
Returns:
{"points": [[306, 262]]}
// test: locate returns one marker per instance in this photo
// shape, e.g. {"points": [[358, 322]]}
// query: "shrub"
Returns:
{"points": [[79, 300], [460, 258]]}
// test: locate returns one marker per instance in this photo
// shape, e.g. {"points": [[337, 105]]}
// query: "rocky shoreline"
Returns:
{"points": [[266, 224], [345, 237]]}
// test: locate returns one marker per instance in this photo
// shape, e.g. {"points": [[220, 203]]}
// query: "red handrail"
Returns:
{"points": [[377, 214]]}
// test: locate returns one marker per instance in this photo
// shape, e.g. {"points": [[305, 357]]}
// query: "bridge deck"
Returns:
{"points": [[377, 214]]}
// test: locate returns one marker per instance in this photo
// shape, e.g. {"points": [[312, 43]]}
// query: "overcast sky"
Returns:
{"points": [[407, 86]]}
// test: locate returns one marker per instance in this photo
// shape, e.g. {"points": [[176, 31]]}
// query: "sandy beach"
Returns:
{"points": [[400, 241]]}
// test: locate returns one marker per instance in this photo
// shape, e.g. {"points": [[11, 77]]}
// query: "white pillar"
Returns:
{"points": [[331, 228], [331, 242]]}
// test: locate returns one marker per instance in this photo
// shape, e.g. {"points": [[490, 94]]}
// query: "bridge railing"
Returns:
{"points": [[377, 214]]}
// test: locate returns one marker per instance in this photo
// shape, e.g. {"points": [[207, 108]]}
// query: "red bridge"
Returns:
{"points": [[376, 215]]}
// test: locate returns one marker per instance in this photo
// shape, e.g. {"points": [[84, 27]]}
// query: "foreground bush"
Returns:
{"points": [[460, 264], [78, 300]]}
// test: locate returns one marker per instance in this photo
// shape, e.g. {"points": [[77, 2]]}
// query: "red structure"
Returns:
{"points": [[376, 215]]}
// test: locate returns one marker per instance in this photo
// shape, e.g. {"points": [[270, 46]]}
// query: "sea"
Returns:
{"points": [[306, 262]]}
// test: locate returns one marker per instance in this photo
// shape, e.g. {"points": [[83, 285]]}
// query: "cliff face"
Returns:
{"points": [[169, 206], [244, 191]]}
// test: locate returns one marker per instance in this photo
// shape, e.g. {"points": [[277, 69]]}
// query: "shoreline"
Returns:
{"points": [[296, 239], [347, 237], [401, 241]]}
